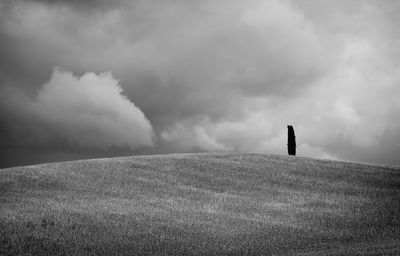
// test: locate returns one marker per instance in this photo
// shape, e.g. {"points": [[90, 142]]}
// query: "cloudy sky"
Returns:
{"points": [[82, 79]]}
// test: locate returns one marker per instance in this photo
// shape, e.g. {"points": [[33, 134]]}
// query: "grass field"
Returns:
{"points": [[200, 204]]}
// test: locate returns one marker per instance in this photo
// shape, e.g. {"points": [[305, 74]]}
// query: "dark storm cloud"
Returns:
{"points": [[216, 75]]}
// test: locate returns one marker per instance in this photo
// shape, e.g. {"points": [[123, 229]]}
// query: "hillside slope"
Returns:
{"points": [[213, 204]]}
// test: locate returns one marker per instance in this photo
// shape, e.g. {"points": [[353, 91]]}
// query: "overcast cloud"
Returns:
{"points": [[140, 77]]}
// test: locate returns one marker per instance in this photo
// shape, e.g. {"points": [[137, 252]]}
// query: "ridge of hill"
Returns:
{"points": [[200, 204]]}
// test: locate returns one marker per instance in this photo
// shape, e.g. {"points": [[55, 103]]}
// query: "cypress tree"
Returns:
{"points": [[291, 141]]}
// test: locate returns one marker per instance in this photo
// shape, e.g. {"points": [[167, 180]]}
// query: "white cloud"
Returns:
{"points": [[187, 138], [91, 111], [86, 111]]}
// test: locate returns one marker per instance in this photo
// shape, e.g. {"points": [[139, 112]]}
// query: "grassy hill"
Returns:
{"points": [[200, 204]]}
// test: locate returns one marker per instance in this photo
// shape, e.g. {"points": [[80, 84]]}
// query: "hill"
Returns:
{"points": [[200, 204]]}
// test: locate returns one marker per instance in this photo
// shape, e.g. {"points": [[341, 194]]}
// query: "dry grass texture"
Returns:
{"points": [[200, 204]]}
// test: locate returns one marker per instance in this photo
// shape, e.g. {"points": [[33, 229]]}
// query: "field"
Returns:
{"points": [[200, 204]]}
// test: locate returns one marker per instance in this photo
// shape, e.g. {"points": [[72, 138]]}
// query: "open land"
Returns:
{"points": [[200, 204]]}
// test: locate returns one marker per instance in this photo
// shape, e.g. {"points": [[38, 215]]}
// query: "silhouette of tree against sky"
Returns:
{"points": [[291, 141]]}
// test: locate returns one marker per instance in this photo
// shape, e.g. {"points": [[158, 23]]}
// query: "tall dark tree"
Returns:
{"points": [[291, 141]]}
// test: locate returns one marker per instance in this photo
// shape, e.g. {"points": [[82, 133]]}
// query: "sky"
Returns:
{"points": [[96, 78]]}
